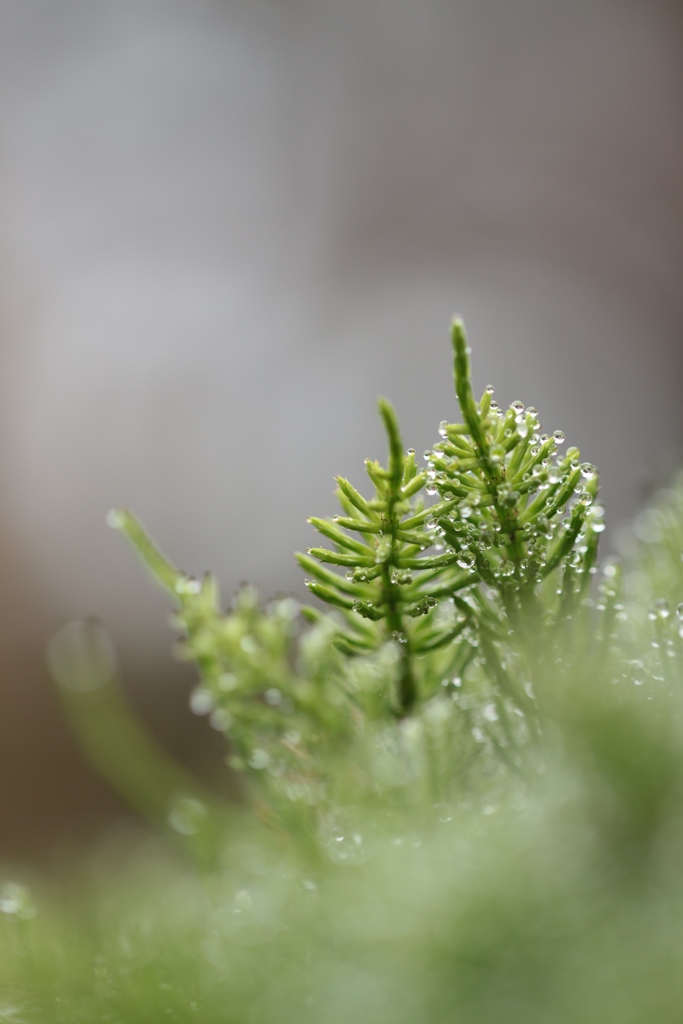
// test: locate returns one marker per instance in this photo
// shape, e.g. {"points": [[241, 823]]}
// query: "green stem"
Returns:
{"points": [[465, 396], [407, 690]]}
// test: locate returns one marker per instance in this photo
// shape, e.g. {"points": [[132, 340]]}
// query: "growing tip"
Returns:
{"points": [[115, 518], [385, 407], [390, 420], [81, 657], [458, 336]]}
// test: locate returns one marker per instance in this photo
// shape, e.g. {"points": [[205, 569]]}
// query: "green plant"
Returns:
{"points": [[436, 582], [468, 775]]}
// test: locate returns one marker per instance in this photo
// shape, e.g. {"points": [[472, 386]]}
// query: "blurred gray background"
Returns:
{"points": [[227, 226]]}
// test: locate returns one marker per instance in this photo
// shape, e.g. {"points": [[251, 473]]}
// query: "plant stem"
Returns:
{"points": [[407, 692]]}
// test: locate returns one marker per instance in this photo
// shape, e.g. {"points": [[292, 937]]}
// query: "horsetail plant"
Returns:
{"points": [[435, 582], [491, 743], [500, 542]]}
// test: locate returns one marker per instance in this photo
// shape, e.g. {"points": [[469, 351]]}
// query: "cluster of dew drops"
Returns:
{"points": [[478, 533], [658, 657], [667, 641]]}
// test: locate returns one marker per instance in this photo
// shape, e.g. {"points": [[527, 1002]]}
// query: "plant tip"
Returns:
{"points": [[114, 518]]}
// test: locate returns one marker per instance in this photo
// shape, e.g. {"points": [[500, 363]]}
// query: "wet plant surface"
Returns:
{"points": [[462, 768]]}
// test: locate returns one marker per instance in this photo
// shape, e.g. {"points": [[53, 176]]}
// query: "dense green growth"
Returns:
{"points": [[436, 582], [463, 785]]}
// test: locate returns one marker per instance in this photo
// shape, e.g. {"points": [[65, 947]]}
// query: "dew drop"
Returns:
{"points": [[242, 901], [220, 720], [259, 759], [227, 682], [115, 518], [443, 813], [15, 900], [187, 815], [201, 701], [490, 712]]}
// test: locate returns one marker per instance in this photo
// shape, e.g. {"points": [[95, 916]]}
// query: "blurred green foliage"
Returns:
{"points": [[463, 786]]}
